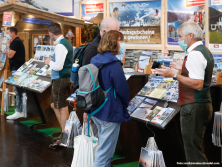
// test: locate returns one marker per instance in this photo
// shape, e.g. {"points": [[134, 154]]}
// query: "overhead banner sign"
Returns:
{"points": [[7, 19], [36, 21], [139, 21], [178, 13], [92, 8], [215, 24], [190, 3]]}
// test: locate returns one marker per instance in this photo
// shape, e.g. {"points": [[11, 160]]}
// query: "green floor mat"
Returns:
{"points": [[117, 156], [132, 164], [31, 122], [9, 113], [50, 131]]}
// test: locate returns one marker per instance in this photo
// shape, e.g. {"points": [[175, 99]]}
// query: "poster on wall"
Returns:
{"points": [[181, 11], [7, 19], [139, 21], [215, 24], [63, 7], [93, 14]]}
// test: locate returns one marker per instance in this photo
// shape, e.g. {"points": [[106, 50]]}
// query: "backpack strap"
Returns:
{"points": [[91, 76], [98, 109]]}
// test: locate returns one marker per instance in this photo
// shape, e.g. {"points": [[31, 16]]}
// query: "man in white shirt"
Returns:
{"points": [[194, 90], [61, 69]]}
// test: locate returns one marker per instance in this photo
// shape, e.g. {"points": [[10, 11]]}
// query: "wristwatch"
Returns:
{"points": [[175, 77], [8, 47]]}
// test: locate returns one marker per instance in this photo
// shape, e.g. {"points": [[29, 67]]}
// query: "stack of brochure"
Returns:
{"points": [[216, 135], [151, 156], [134, 103], [73, 128], [43, 52]]}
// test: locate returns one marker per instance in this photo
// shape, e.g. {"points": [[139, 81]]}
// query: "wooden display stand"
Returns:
{"points": [[219, 78], [147, 69]]}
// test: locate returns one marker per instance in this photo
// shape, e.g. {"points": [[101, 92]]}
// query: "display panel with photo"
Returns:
{"points": [[139, 21]]}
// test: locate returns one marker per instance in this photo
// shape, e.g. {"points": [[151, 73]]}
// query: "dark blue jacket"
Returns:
{"points": [[111, 74]]}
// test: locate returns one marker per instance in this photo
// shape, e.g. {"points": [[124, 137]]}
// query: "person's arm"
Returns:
{"points": [[196, 65], [89, 53], [120, 84], [60, 56], [11, 51]]}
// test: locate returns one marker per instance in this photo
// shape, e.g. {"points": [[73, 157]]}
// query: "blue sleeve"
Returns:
{"points": [[120, 84]]}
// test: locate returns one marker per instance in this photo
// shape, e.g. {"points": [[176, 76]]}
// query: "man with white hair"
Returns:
{"points": [[107, 24], [194, 90]]}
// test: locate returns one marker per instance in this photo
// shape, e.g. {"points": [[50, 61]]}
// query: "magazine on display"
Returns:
{"points": [[39, 85], [154, 112], [42, 70], [28, 80], [26, 64], [162, 88], [165, 60], [150, 85], [28, 68], [13, 78], [48, 73], [134, 103], [20, 79], [171, 92], [144, 108], [162, 115], [33, 69]]}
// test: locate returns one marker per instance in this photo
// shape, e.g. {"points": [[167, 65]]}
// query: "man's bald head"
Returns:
{"points": [[108, 24]]}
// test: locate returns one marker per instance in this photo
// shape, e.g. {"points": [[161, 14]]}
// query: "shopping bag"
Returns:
{"points": [[73, 128], [24, 105], [84, 150]]}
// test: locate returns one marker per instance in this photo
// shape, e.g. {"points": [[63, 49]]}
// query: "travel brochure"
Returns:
{"points": [[144, 60], [42, 70], [145, 109], [39, 85], [28, 80], [14, 77], [43, 52], [134, 103]]}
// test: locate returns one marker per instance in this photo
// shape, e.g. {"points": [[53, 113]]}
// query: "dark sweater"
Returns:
{"points": [[91, 50]]}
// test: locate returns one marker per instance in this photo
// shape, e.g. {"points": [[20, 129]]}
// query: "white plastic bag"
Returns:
{"points": [[24, 104], [6, 99], [84, 150]]}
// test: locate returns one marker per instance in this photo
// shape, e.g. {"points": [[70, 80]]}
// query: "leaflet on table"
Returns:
{"points": [[154, 112], [34, 69], [144, 109], [173, 90], [165, 60], [134, 103], [150, 86], [42, 70], [39, 85], [162, 88], [28, 80], [21, 78], [162, 115], [27, 68], [14, 77], [26, 64], [48, 73], [144, 60]]}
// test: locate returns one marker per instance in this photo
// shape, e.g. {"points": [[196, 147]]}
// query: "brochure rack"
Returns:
{"points": [[38, 102], [134, 134]]}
